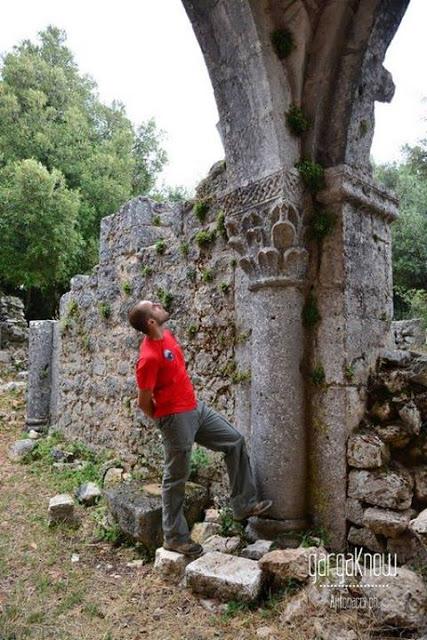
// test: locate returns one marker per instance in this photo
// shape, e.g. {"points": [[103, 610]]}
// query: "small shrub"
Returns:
{"points": [[283, 42], [192, 330], [321, 224], [225, 287], [297, 122], [184, 248], [127, 288], [104, 310], [220, 226], [147, 270], [229, 526], [310, 313], [156, 220], [199, 460], [349, 372], [165, 297], [207, 275], [204, 237], [312, 174], [191, 274], [160, 245], [200, 209], [318, 375]]}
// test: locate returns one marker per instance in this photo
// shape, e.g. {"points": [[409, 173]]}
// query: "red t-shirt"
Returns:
{"points": [[161, 367]]}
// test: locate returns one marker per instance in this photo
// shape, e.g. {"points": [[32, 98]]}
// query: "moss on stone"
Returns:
{"points": [[104, 310], [318, 375], [283, 42], [160, 245], [297, 122], [127, 288], [312, 174], [310, 312], [322, 223]]}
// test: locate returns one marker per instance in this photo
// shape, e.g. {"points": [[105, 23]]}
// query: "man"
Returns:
{"points": [[166, 394]]}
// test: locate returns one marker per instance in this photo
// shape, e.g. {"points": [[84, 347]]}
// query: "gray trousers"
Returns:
{"points": [[210, 429]]}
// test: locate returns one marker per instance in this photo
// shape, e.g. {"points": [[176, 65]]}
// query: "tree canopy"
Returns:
{"points": [[66, 160]]}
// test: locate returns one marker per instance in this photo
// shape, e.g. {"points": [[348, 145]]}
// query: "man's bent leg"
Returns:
{"points": [[216, 433]]}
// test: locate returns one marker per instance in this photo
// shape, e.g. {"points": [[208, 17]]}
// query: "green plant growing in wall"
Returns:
{"points": [[146, 270], [204, 237], [225, 287], [220, 224], [201, 208], [349, 372], [283, 42], [191, 274], [242, 337], [192, 330], [73, 309], [157, 221], [184, 247], [165, 297], [363, 128], [207, 275], [310, 312], [312, 174], [233, 262], [127, 288], [297, 122], [199, 460], [160, 246], [318, 375], [86, 342], [322, 223], [240, 376], [104, 310]]}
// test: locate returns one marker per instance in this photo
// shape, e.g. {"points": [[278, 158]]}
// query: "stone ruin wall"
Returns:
{"points": [[93, 388], [13, 334]]}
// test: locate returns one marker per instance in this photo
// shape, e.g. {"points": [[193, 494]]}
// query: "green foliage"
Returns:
{"points": [[225, 287], [283, 42], [177, 194], [310, 313], [349, 372], [192, 330], [312, 174], [184, 247], [322, 223], [297, 122], [415, 301], [146, 270], [229, 526], [318, 375], [220, 224], [72, 309], [205, 237], [233, 262], [104, 310], [200, 209], [199, 460], [234, 607], [208, 275], [66, 161], [157, 221], [191, 274], [165, 297], [160, 246], [127, 288]]}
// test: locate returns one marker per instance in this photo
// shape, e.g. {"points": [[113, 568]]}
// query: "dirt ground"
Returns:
{"points": [[44, 594]]}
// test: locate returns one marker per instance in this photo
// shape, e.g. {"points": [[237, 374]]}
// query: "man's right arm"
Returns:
{"points": [[146, 402]]}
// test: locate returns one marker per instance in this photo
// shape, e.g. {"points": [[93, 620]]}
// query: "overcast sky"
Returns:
{"points": [[144, 54]]}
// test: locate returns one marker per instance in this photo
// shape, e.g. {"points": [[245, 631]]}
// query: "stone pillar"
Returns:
{"points": [[264, 222], [353, 285], [39, 374]]}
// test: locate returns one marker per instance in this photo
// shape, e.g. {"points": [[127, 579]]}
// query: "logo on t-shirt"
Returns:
{"points": [[168, 354]]}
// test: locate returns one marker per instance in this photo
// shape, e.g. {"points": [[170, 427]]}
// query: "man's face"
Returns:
{"points": [[157, 311]]}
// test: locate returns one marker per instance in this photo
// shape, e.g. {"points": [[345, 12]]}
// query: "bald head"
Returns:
{"points": [[140, 314]]}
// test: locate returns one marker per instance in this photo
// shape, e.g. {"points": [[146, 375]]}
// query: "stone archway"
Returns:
{"points": [[328, 62]]}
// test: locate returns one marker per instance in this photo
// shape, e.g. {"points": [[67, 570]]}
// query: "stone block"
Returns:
{"points": [[418, 526], [225, 577], [420, 479], [170, 565], [367, 451], [201, 531], [88, 493], [402, 602], [384, 488], [282, 564], [61, 508], [354, 511], [21, 447], [385, 521], [212, 515], [138, 511], [411, 417], [257, 549], [222, 544], [363, 537]]}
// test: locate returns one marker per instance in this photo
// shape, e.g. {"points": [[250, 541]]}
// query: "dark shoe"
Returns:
{"points": [[189, 548], [256, 510]]}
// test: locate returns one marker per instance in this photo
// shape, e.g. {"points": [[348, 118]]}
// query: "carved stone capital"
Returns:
{"points": [[344, 183]]}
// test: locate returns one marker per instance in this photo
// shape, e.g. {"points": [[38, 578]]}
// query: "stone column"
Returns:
{"points": [[265, 225], [39, 374], [353, 286]]}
